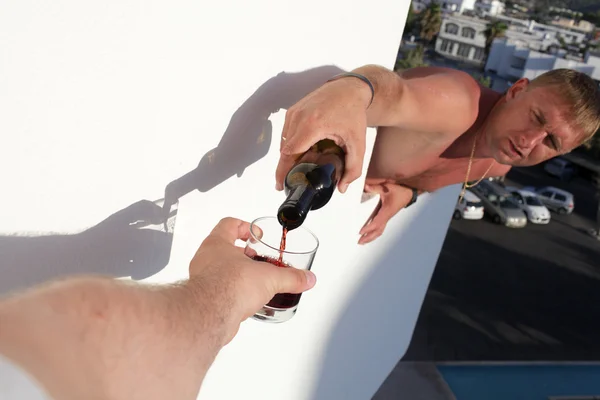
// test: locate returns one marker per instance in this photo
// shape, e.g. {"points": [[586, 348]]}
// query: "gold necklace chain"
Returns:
{"points": [[466, 185]]}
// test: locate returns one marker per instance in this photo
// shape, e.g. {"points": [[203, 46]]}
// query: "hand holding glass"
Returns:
{"points": [[264, 245]]}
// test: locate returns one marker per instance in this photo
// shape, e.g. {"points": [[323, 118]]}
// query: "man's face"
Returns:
{"points": [[531, 126]]}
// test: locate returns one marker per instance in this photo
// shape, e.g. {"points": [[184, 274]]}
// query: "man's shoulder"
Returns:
{"points": [[457, 76], [457, 92]]}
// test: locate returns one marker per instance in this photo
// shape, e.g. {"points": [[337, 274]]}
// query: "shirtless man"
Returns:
{"points": [[437, 127]]}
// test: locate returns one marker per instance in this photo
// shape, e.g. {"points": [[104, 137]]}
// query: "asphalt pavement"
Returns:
{"points": [[502, 294]]}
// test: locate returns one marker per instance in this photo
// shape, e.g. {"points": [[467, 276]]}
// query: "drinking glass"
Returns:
{"points": [[264, 243]]}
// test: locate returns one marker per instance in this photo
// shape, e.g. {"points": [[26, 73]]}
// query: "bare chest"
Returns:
{"points": [[416, 162], [444, 172]]}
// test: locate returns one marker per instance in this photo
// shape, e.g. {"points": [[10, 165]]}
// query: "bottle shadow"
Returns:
{"points": [[136, 241], [248, 136]]}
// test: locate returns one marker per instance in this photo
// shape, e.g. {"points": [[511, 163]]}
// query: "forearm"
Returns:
{"points": [[105, 339], [41, 330]]}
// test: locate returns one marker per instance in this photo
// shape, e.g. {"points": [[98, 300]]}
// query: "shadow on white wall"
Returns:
{"points": [[132, 242], [248, 135], [122, 245]]}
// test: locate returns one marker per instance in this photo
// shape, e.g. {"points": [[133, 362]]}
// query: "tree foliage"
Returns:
{"points": [[430, 22], [493, 30], [411, 59]]}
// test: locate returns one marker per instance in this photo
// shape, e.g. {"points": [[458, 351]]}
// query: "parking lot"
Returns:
{"points": [[530, 294]]}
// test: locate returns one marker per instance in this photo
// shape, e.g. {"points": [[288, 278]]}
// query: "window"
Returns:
{"points": [[507, 203], [451, 47], [447, 46], [478, 53], [533, 201], [468, 32], [560, 197], [546, 193], [444, 46], [476, 204], [517, 197], [452, 29], [464, 50]]}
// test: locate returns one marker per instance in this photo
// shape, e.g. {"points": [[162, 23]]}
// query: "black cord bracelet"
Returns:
{"points": [[359, 76], [413, 200]]}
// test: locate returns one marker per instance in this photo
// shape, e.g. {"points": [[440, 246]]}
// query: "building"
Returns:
{"points": [[453, 6], [568, 34], [508, 62], [584, 27], [462, 38], [490, 7]]}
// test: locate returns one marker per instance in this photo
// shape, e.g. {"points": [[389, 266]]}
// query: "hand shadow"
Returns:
{"points": [[135, 242], [248, 136]]}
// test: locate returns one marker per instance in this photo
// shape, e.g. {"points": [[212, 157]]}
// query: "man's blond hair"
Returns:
{"points": [[580, 92]]}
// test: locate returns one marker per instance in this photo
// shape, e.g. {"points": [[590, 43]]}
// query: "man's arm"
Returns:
{"points": [[422, 99], [99, 338], [439, 102]]}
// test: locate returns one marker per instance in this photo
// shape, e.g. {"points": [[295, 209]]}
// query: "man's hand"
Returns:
{"points": [[336, 111], [392, 198], [221, 267]]}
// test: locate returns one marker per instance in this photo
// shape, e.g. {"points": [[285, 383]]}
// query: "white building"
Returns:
{"points": [[510, 62], [581, 26], [462, 38], [490, 7], [570, 35], [457, 6]]}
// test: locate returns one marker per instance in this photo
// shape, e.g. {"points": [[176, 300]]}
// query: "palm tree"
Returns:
{"points": [[411, 20], [431, 20], [494, 30]]}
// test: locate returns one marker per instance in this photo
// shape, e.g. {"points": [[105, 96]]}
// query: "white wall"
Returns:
{"points": [[505, 54], [538, 63], [104, 104], [594, 62], [467, 5], [501, 56]]}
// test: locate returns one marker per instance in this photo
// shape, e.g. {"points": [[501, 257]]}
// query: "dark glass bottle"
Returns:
{"points": [[311, 182]]}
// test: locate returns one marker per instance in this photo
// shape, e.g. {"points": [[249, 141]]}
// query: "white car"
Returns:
{"points": [[470, 207], [533, 207]]}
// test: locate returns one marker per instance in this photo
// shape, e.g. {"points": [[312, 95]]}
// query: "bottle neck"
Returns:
{"points": [[295, 208], [326, 152]]}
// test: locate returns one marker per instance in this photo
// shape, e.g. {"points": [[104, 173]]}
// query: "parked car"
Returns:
{"points": [[499, 205], [469, 207], [498, 180], [560, 168], [555, 199], [533, 207]]}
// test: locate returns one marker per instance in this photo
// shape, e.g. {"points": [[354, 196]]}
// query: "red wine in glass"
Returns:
{"points": [[282, 306], [281, 300]]}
